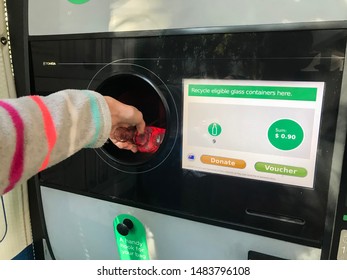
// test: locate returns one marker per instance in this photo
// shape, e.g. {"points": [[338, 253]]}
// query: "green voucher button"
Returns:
{"points": [[281, 169]]}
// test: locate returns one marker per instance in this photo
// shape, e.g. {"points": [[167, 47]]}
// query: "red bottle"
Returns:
{"points": [[148, 142]]}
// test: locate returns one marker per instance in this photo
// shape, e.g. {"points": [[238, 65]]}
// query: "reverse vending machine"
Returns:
{"points": [[252, 161]]}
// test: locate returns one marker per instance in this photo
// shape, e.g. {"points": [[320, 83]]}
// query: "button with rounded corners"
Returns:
{"points": [[223, 161]]}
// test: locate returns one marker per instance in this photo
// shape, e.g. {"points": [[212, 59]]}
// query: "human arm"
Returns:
{"points": [[37, 132]]}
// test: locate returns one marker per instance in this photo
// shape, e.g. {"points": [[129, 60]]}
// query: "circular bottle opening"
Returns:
{"points": [[137, 91]]}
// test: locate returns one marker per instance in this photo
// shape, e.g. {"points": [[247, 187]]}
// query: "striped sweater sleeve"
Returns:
{"points": [[37, 132]]}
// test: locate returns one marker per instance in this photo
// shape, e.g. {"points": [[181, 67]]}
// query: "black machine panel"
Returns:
{"points": [[148, 72]]}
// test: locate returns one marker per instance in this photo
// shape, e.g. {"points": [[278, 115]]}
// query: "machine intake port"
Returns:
{"points": [[137, 91]]}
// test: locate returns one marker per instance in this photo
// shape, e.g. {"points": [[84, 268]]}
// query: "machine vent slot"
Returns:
{"points": [[277, 217]]}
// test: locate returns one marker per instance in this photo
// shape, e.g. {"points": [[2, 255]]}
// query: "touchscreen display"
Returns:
{"points": [[263, 130]]}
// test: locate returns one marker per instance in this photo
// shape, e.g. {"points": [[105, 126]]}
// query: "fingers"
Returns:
{"points": [[125, 145], [123, 115], [137, 120], [140, 126]]}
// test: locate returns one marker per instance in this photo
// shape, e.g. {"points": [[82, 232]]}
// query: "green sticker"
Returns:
{"points": [[131, 238], [78, 1], [285, 134]]}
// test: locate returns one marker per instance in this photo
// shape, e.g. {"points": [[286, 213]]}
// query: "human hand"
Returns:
{"points": [[123, 115]]}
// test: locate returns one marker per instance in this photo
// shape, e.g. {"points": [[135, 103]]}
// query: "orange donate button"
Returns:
{"points": [[223, 161]]}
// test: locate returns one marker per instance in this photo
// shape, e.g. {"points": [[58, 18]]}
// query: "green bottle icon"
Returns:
{"points": [[214, 129]]}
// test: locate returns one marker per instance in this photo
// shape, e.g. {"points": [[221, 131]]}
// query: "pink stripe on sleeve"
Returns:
{"points": [[49, 126], [16, 169]]}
